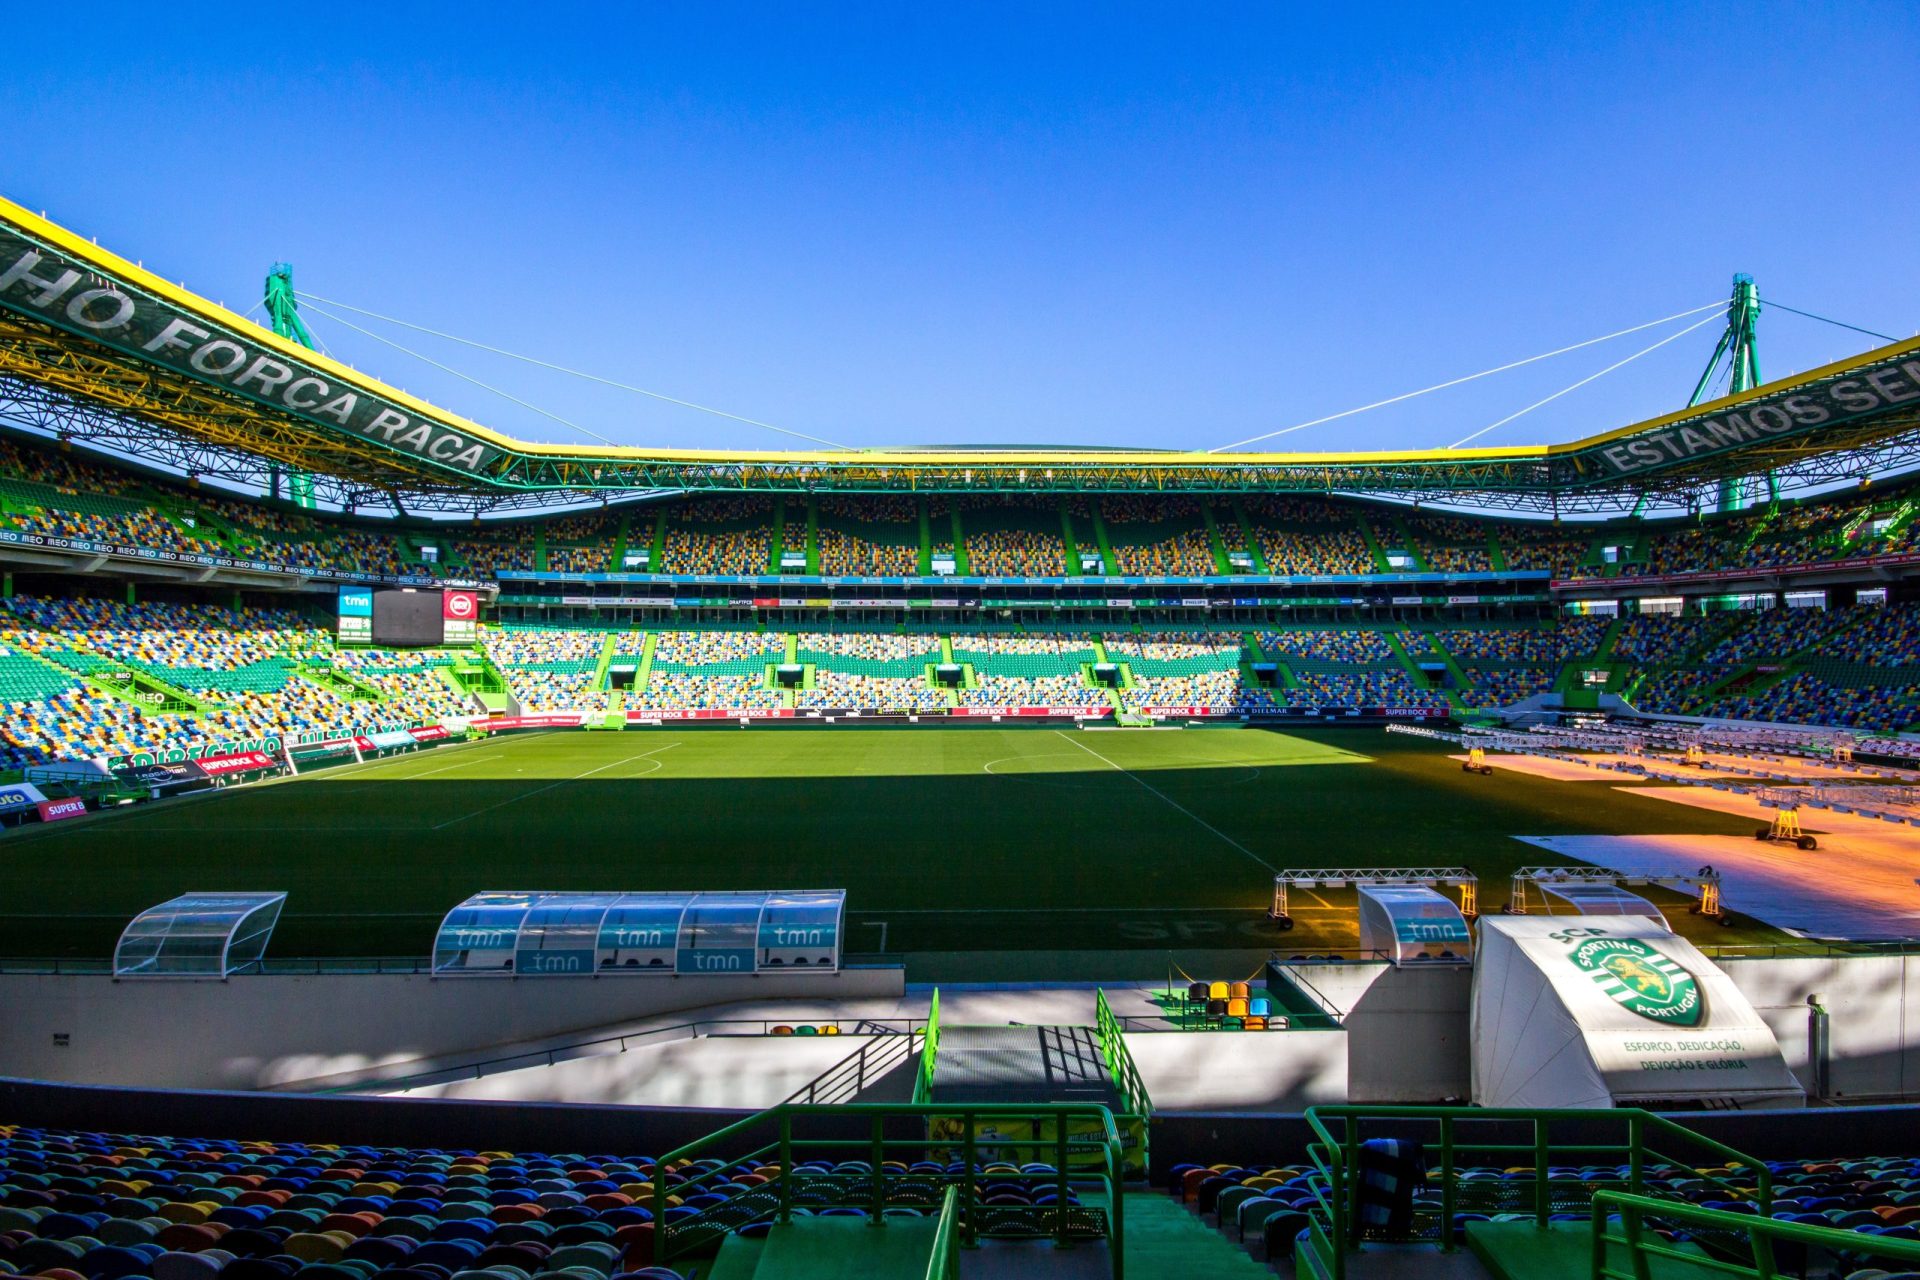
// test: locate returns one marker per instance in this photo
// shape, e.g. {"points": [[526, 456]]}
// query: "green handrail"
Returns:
{"points": [[929, 1052], [1334, 1216], [1120, 1065], [768, 1143], [945, 1262], [1620, 1223]]}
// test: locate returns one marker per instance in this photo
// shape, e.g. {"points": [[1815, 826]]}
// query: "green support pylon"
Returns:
{"points": [[283, 315], [1739, 347]]}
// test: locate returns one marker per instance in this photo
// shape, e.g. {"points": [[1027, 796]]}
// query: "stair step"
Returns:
{"points": [[1164, 1241]]}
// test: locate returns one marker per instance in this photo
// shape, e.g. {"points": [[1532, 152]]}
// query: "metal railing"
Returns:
{"points": [[876, 1156], [1627, 1244], [1334, 1225], [944, 1264], [1134, 1123], [1113, 1045], [929, 1052], [848, 1078], [362, 1082]]}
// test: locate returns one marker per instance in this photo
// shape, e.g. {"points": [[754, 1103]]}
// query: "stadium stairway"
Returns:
{"points": [[823, 1248], [1374, 548], [1166, 1242], [1163, 1242], [1101, 540], [1070, 543], [1216, 545], [1024, 1064], [1248, 540]]}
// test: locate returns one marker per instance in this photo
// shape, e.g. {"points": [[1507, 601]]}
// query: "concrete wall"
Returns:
{"points": [[1409, 1032], [1407, 1028], [1404, 1040], [258, 1032], [1246, 1071], [1874, 1045], [739, 1072]]}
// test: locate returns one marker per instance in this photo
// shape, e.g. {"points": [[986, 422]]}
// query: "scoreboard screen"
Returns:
{"points": [[408, 619]]}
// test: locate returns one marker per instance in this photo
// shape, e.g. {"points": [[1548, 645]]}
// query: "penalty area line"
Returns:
{"points": [[1170, 803], [551, 785]]}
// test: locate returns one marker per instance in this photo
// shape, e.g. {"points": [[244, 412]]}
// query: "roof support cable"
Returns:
{"points": [[1583, 382], [576, 373], [456, 373], [1719, 305], [1871, 333]]}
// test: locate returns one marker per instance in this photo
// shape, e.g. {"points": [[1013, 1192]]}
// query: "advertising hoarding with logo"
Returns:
{"points": [[238, 762], [1605, 1011], [56, 810], [18, 797], [461, 611], [356, 615]]}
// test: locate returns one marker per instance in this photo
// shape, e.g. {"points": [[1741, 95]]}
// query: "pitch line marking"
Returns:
{"points": [[468, 758], [561, 783], [1171, 803]]}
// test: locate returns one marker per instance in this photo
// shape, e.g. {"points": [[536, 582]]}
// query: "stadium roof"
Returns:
{"points": [[96, 349]]}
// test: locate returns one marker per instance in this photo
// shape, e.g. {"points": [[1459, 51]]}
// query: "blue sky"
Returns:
{"points": [[1055, 223]]}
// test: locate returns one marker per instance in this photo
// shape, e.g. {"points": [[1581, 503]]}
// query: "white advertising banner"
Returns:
{"points": [[1602, 1011]]}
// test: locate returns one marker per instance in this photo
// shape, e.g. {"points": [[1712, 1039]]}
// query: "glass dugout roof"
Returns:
{"points": [[550, 934], [198, 935], [1602, 900]]}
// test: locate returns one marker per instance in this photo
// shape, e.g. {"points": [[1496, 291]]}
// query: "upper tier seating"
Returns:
{"points": [[871, 537], [1158, 537], [73, 494], [732, 535], [1309, 536], [1012, 539], [1450, 544]]}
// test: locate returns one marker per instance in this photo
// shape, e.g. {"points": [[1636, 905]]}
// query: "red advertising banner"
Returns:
{"points": [[238, 762], [1077, 713], [461, 606], [1189, 712], [547, 720], [709, 713], [55, 810], [429, 733]]}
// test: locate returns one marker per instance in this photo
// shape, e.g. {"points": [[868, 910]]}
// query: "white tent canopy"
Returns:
{"points": [[1607, 1011]]}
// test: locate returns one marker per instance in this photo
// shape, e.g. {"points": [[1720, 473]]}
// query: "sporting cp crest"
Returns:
{"points": [[1641, 979]]}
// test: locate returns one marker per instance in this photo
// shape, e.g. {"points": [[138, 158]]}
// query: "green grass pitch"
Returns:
{"points": [[957, 845]]}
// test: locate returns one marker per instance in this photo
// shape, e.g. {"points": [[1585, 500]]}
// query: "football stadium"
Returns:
{"points": [[431, 853]]}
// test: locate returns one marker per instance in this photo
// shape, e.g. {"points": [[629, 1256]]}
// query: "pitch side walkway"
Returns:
{"points": [[743, 1022], [1022, 1064]]}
